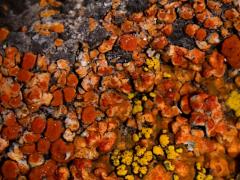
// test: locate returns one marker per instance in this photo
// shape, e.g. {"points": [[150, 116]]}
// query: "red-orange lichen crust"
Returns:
{"points": [[148, 102]]}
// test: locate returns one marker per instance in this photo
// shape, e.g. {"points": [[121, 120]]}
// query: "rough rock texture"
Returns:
{"points": [[74, 15], [178, 36], [137, 5], [16, 14]]}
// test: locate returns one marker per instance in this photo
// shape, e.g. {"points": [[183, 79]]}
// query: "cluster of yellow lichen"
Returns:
{"points": [[137, 107], [138, 104], [134, 161], [201, 173], [152, 64], [137, 160], [170, 152], [144, 133], [234, 102]]}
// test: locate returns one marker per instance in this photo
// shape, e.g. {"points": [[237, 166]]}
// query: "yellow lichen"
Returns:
{"points": [[148, 155], [129, 177], [179, 150], [152, 94], [165, 131], [121, 170], [209, 177], [171, 153], [137, 107], [116, 152], [138, 102], [143, 170], [131, 95], [135, 137], [201, 173], [116, 162], [164, 140], [157, 150], [234, 102], [145, 69], [167, 75], [127, 157], [168, 165], [140, 150], [147, 132], [153, 63], [144, 98], [204, 171], [200, 176], [143, 161], [198, 166], [135, 167], [175, 177]]}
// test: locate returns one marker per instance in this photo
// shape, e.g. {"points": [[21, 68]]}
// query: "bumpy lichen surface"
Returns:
{"points": [[119, 89]]}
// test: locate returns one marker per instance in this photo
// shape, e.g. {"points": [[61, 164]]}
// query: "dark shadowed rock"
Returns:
{"points": [[97, 9], [117, 55], [19, 14], [96, 37], [137, 5], [19, 40], [178, 37]]}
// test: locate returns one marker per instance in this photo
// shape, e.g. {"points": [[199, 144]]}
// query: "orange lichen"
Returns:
{"points": [[10, 169], [43, 3], [72, 80], [43, 146], [54, 3], [115, 105], [31, 138], [11, 132], [107, 45], [92, 24], [29, 60], [46, 29], [48, 13], [57, 98], [191, 29], [10, 119], [219, 166], [158, 172], [57, 27], [89, 115], [62, 152], [107, 142], [3, 34], [54, 129], [38, 125], [213, 23], [201, 34], [47, 170], [90, 97], [231, 49], [24, 75], [159, 42], [58, 42], [28, 149], [69, 94], [186, 12], [35, 159], [155, 68], [128, 42]]}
